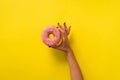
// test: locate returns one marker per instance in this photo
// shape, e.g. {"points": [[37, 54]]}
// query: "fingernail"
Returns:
{"points": [[49, 46]]}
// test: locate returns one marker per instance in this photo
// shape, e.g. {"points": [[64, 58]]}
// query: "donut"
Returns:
{"points": [[51, 41]]}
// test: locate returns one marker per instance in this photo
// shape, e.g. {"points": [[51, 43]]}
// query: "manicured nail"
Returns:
{"points": [[49, 46]]}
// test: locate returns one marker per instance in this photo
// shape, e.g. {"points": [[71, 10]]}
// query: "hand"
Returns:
{"points": [[64, 46]]}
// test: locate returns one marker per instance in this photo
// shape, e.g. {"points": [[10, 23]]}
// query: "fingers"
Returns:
{"points": [[54, 47], [68, 32], [60, 25], [62, 34], [65, 27], [64, 30], [57, 47]]}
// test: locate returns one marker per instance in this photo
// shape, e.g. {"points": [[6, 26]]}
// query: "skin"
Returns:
{"points": [[64, 46]]}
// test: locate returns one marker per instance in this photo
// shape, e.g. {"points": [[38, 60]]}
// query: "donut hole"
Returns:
{"points": [[51, 36]]}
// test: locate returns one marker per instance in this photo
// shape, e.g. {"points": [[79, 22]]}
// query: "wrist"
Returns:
{"points": [[69, 52]]}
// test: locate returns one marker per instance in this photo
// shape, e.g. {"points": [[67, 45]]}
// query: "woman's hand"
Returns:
{"points": [[64, 46]]}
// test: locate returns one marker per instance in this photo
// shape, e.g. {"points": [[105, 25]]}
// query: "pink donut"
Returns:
{"points": [[51, 41]]}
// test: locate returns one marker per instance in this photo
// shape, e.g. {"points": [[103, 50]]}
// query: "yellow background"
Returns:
{"points": [[95, 39]]}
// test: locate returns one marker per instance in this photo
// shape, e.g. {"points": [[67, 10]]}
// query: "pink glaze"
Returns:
{"points": [[51, 41]]}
